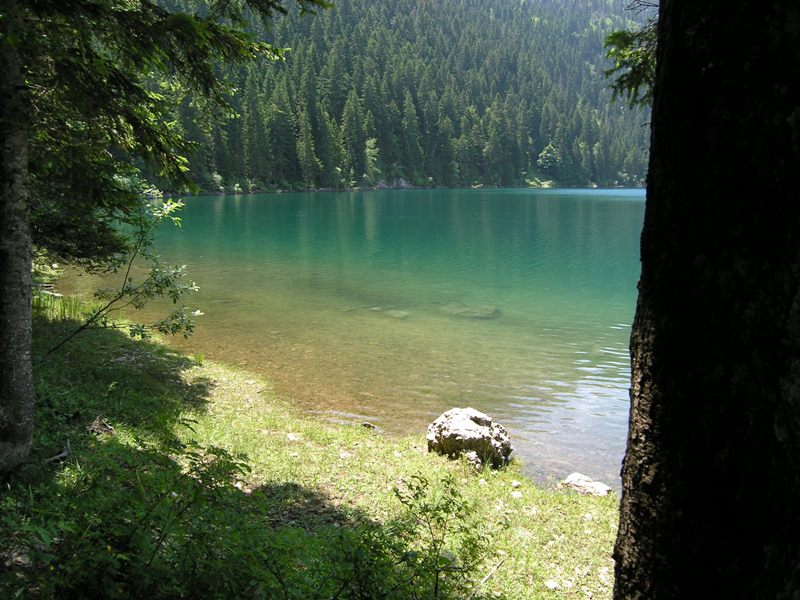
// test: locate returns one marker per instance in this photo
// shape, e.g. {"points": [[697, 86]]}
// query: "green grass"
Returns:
{"points": [[211, 486]]}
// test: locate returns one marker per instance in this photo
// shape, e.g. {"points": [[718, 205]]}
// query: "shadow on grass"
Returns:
{"points": [[105, 373], [143, 515]]}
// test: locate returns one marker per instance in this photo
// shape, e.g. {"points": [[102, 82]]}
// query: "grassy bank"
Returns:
{"points": [[158, 474]]}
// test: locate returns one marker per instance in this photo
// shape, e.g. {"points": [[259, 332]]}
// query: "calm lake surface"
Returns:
{"points": [[393, 306]]}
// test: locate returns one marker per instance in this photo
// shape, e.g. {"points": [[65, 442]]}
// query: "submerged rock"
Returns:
{"points": [[389, 311], [474, 311], [469, 432], [585, 485], [397, 314]]}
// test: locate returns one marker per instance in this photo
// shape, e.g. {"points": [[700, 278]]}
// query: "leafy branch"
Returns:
{"points": [[634, 54], [162, 281]]}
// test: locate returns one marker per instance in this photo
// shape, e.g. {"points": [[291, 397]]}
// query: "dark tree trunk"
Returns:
{"points": [[16, 393], [711, 479]]}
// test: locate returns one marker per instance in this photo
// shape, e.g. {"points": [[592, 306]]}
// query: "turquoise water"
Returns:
{"points": [[393, 306]]}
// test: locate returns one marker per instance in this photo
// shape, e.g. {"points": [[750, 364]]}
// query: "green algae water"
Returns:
{"points": [[393, 306]]}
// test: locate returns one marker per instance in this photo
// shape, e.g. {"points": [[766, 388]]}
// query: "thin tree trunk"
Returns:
{"points": [[16, 393], [711, 479]]}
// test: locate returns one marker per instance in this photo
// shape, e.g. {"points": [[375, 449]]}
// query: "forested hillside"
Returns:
{"points": [[444, 92]]}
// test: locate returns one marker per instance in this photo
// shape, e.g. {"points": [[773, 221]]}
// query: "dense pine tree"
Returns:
{"points": [[452, 93]]}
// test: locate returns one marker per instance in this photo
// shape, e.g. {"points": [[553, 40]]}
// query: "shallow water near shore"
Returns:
{"points": [[393, 306]]}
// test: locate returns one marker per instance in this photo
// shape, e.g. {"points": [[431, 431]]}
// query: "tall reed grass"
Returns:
{"points": [[54, 307]]}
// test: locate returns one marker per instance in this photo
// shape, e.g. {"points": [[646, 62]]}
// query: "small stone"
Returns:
{"points": [[397, 454], [482, 482], [581, 572], [243, 488], [585, 485], [18, 560], [516, 495], [473, 459], [291, 437], [344, 455], [294, 455], [397, 314], [552, 585], [516, 484], [603, 574], [588, 517]]}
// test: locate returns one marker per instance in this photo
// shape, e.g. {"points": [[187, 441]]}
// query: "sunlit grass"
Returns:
{"points": [[554, 537], [54, 307], [307, 474]]}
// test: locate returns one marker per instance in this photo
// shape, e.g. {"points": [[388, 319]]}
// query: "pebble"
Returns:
{"points": [[552, 585], [244, 489], [604, 574]]}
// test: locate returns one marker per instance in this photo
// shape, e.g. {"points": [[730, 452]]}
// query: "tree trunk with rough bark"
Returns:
{"points": [[711, 478], [16, 392]]}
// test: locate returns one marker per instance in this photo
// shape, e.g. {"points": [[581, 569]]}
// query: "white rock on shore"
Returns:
{"points": [[469, 432], [585, 485]]}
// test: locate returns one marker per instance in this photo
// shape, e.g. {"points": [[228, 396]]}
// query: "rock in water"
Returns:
{"points": [[397, 314], [465, 431], [585, 485], [475, 311]]}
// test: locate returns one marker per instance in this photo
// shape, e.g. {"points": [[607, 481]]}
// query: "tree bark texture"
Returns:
{"points": [[16, 392], [711, 478]]}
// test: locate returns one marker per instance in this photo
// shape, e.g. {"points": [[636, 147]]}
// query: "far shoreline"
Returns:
{"points": [[387, 188]]}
